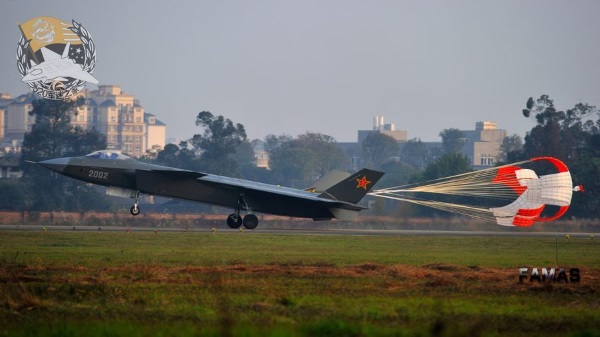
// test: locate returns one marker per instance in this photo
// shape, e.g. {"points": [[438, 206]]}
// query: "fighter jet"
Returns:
{"points": [[127, 177], [57, 66]]}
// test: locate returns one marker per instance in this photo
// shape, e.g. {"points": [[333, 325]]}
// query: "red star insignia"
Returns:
{"points": [[363, 182]]}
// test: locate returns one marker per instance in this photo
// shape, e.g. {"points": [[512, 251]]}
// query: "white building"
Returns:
{"points": [[386, 129], [482, 145], [155, 133]]}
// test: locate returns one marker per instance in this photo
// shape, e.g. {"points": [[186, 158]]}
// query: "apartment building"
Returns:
{"points": [[114, 113], [119, 116]]}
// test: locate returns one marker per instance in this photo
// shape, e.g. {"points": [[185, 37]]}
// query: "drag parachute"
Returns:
{"points": [[510, 195]]}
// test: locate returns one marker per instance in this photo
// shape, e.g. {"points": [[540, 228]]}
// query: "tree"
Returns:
{"points": [[14, 196], [328, 155], [274, 143], [557, 133], [378, 148], [448, 165], [180, 156], [54, 136], [586, 171], [397, 173], [218, 143], [511, 149], [299, 162], [246, 162], [415, 153], [453, 140], [571, 137]]}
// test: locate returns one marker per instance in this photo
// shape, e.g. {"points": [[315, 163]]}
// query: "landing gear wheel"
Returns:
{"points": [[234, 221], [250, 221], [134, 210]]}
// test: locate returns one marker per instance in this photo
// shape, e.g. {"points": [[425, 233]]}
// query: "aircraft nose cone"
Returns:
{"points": [[58, 164]]}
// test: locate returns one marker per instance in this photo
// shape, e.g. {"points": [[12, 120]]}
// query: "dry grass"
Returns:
{"points": [[257, 285], [504, 280]]}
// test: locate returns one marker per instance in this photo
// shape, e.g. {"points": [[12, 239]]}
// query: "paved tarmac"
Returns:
{"points": [[298, 231]]}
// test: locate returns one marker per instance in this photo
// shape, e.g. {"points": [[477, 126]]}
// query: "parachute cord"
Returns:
{"points": [[478, 184], [482, 176], [471, 211]]}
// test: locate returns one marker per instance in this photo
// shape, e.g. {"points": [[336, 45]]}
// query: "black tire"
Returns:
{"points": [[234, 221], [250, 221], [134, 210]]}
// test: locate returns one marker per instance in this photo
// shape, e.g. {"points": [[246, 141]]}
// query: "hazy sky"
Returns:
{"points": [[329, 66]]}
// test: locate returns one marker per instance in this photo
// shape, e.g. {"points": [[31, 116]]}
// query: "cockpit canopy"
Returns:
{"points": [[107, 154]]}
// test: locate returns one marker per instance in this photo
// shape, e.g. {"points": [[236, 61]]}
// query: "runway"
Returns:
{"points": [[298, 231]]}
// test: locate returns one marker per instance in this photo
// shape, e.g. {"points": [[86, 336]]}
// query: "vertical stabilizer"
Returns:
{"points": [[353, 188]]}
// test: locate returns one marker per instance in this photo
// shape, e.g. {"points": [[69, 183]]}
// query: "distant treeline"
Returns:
{"points": [[222, 147]]}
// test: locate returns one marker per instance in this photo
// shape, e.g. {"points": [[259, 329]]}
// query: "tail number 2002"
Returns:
{"points": [[98, 174]]}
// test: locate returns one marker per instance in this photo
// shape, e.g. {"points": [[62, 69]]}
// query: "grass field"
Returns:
{"points": [[250, 284]]}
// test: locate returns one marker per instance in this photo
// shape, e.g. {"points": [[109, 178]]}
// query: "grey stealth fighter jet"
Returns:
{"points": [[127, 177]]}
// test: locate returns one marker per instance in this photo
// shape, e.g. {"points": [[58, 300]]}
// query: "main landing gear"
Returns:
{"points": [[235, 220], [250, 221]]}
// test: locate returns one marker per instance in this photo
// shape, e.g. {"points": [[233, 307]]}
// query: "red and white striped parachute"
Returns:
{"points": [[527, 193], [534, 193]]}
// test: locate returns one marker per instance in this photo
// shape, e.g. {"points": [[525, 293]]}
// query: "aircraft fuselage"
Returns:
{"points": [[116, 170]]}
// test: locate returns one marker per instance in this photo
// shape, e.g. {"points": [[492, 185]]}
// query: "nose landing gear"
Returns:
{"points": [[135, 210]]}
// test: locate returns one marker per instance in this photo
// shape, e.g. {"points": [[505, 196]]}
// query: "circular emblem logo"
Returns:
{"points": [[55, 58]]}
